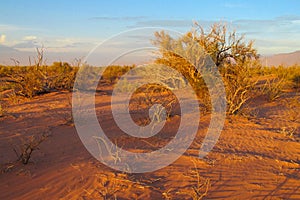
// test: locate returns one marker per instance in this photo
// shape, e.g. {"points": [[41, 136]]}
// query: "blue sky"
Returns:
{"points": [[77, 26]]}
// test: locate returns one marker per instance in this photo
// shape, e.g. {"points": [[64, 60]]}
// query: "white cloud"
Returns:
{"points": [[27, 45], [2, 38], [29, 38]]}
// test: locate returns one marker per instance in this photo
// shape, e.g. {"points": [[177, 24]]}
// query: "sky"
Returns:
{"points": [[69, 29]]}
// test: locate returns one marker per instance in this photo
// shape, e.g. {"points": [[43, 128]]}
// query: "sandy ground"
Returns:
{"points": [[257, 157]]}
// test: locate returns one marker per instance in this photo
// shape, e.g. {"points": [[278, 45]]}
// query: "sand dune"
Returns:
{"points": [[254, 158]]}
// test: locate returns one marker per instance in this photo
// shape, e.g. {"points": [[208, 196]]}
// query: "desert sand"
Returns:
{"points": [[256, 157]]}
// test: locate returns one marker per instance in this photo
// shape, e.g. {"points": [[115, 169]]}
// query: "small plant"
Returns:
{"points": [[167, 194], [155, 98], [250, 113], [288, 131], [296, 81], [66, 116], [106, 187], [290, 74], [32, 80], [106, 150], [273, 88], [2, 110], [60, 76], [200, 190], [126, 86], [113, 73], [239, 85], [293, 109], [13, 98], [28, 146], [196, 192]]}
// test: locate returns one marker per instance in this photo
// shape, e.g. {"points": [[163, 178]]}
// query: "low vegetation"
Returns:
{"points": [[290, 74], [29, 81], [237, 62], [28, 146], [2, 110]]}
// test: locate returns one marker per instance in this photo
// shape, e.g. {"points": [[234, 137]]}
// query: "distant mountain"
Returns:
{"points": [[285, 59], [7, 49], [7, 53]]}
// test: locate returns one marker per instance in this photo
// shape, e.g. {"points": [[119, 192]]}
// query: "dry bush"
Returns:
{"points": [[26, 81], [113, 73], [232, 55], [60, 76], [239, 85], [126, 86], [29, 81], [282, 77], [2, 110], [5, 85], [65, 113], [281, 71], [196, 191], [106, 150], [86, 78], [88, 75], [154, 94], [28, 146], [200, 190], [2, 107], [172, 59], [296, 80], [290, 74], [249, 112], [273, 88], [107, 187], [293, 109], [288, 131]]}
